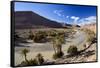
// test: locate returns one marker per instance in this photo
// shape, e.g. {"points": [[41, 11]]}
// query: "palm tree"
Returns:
{"points": [[24, 53]]}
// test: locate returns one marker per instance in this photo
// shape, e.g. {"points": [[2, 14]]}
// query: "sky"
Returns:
{"points": [[70, 14]]}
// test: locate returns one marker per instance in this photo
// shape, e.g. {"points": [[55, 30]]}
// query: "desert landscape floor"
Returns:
{"points": [[47, 51]]}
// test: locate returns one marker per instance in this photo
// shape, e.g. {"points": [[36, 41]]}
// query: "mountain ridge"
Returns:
{"points": [[29, 19]]}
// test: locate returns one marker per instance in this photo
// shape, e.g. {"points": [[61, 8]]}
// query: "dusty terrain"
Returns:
{"points": [[47, 51], [92, 27]]}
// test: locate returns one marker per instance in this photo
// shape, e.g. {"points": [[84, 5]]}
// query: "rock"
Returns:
{"points": [[48, 62]]}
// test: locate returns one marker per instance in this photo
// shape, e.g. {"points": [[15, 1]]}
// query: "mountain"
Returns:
{"points": [[66, 25], [29, 19]]}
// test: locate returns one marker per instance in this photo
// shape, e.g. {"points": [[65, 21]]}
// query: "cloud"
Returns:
{"points": [[91, 18], [75, 19], [67, 16], [88, 20], [58, 12]]}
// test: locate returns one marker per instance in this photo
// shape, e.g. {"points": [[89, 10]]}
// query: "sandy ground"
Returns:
{"points": [[46, 49], [93, 57]]}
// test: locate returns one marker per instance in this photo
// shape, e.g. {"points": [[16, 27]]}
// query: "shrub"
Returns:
{"points": [[72, 50], [58, 55], [30, 35], [36, 61], [23, 63], [24, 53], [29, 63], [52, 33], [39, 59], [33, 62], [39, 36]]}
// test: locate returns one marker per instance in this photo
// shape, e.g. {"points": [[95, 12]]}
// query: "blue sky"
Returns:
{"points": [[61, 13]]}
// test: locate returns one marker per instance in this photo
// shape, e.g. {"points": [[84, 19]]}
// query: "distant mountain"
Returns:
{"points": [[69, 25], [29, 19]]}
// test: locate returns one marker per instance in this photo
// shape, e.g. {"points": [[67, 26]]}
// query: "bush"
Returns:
{"points": [[39, 59], [39, 36], [36, 61], [30, 35], [72, 50], [52, 33], [58, 55], [33, 62], [29, 63], [23, 63]]}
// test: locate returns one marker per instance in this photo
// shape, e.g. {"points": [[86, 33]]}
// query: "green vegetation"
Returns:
{"points": [[52, 33], [24, 53], [39, 36], [58, 40], [57, 37], [29, 63], [32, 62], [39, 59], [43, 36], [58, 55], [72, 50], [31, 36]]}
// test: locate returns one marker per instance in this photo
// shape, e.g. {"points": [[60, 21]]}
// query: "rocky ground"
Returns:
{"points": [[89, 55], [47, 51]]}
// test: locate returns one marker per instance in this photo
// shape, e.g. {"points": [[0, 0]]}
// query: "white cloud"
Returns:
{"points": [[75, 19], [58, 12], [91, 18], [67, 16], [88, 20]]}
